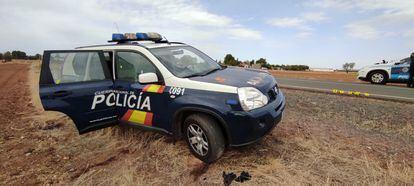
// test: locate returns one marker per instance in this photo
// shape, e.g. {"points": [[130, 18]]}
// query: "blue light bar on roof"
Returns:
{"points": [[153, 36], [150, 36], [130, 36], [142, 36], [117, 37]]}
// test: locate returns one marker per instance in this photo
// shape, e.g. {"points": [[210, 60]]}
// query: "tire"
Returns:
{"points": [[378, 77], [204, 137]]}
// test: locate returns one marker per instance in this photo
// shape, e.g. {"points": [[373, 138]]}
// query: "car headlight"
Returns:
{"points": [[251, 98]]}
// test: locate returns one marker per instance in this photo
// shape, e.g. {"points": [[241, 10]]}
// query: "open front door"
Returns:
{"points": [[77, 82]]}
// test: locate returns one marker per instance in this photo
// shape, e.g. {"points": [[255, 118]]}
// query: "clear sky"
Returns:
{"points": [[325, 33]]}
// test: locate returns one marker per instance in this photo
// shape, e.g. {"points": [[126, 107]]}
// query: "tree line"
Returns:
{"points": [[261, 62], [16, 54]]}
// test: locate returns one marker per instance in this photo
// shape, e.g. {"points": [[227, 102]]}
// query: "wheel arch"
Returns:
{"points": [[180, 115], [378, 70], [383, 71]]}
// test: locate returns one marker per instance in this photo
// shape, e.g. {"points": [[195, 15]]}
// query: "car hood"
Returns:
{"points": [[240, 77], [377, 66], [383, 64]]}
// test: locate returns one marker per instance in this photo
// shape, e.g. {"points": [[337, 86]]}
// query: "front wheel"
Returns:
{"points": [[204, 137], [378, 78]]}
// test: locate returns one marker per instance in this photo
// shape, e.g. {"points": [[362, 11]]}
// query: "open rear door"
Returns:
{"points": [[76, 83]]}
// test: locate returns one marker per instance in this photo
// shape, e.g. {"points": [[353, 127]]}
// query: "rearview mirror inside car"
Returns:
{"points": [[149, 77], [177, 52]]}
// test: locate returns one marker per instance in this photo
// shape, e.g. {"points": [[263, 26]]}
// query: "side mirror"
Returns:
{"points": [[149, 77]]}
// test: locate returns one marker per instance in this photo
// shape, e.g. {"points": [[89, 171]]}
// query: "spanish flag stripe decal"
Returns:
{"points": [[146, 88], [127, 115], [154, 88], [161, 89], [139, 117], [148, 119]]}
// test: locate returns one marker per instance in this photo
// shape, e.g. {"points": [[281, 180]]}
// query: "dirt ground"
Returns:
{"points": [[323, 139]]}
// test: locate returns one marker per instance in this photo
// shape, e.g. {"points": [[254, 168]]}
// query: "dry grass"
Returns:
{"points": [[19, 61], [139, 158], [344, 77], [146, 159], [350, 77]]}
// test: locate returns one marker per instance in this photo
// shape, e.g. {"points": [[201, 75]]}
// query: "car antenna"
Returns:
{"points": [[166, 40], [116, 27]]}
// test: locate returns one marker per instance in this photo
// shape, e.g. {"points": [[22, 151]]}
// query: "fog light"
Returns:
{"points": [[262, 125]]}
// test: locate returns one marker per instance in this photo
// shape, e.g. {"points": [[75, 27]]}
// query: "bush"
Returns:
{"points": [[7, 56], [291, 67], [296, 67]]}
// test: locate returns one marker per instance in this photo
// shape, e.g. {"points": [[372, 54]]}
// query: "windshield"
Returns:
{"points": [[405, 60], [185, 61]]}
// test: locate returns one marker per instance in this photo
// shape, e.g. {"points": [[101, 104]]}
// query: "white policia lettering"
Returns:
{"points": [[122, 100]]}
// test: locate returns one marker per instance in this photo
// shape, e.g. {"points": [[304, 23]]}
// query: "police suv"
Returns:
{"points": [[381, 73], [142, 80]]}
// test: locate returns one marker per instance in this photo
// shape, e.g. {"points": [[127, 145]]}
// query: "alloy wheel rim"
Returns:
{"points": [[197, 139], [377, 77]]}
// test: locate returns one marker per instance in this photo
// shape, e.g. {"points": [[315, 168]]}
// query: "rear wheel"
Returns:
{"points": [[204, 137], [378, 77]]}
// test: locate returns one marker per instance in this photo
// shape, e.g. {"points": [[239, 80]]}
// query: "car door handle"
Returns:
{"points": [[61, 93]]}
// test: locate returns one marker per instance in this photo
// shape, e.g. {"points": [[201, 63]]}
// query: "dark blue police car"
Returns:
{"points": [[145, 81]]}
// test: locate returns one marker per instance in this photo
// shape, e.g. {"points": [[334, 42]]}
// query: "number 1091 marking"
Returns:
{"points": [[176, 91]]}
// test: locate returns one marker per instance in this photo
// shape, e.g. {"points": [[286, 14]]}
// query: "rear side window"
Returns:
{"points": [[76, 67], [129, 65]]}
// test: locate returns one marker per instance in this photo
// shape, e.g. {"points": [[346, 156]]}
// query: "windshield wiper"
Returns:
{"points": [[192, 75], [211, 71], [199, 74]]}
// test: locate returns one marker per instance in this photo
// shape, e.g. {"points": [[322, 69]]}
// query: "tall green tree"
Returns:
{"points": [[251, 62], [1, 56], [7, 56], [230, 60], [262, 62]]}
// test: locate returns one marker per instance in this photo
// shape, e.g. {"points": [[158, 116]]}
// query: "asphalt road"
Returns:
{"points": [[356, 89]]}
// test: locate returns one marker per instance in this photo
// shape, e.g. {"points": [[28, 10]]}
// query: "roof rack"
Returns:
{"points": [[174, 42], [88, 46], [131, 40], [126, 43]]}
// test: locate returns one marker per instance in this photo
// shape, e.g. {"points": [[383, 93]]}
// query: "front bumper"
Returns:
{"points": [[248, 127], [363, 78], [362, 75]]}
